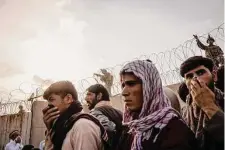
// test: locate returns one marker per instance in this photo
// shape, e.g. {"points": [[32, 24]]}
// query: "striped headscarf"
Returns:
{"points": [[156, 109]]}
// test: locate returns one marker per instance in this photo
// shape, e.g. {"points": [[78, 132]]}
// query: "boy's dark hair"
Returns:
{"points": [[194, 62], [98, 88], [61, 88]]}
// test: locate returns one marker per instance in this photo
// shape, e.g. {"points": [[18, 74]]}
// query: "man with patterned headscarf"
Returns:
{"points": [[149, 120], [212, 51]]}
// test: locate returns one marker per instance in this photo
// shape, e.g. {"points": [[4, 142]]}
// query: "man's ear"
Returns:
{"points": [[99, 96], [214, 75], [69, 98]]}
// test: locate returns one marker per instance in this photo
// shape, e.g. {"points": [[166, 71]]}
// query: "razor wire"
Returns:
{"points": [[167, 63]]}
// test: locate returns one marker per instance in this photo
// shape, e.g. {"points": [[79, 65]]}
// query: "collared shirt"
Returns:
{"points": [[12, 145], [42, 145]]}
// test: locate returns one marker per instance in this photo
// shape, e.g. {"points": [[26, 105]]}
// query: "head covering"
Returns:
{"points": [[210, 39], [156, 110]]}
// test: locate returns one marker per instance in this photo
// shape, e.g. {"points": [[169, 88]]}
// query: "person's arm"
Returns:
{"points": [[201, 45], [99, 75], [220, 51], [215, 126], [86, 135]]}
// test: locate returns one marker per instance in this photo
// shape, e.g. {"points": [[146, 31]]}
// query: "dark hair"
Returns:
{"points": [[28, 147], [14, 134], [220, 81], [194, 62], [61, 88], [148, 60], [98, 88], [183, 91], [46, 132]]}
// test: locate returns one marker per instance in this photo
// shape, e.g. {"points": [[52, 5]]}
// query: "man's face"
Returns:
{"points": [[132, 92], [21, 107], [210, 42], [61, 103], [201, 73], [15, 135], [91, 100], [104, 71]]}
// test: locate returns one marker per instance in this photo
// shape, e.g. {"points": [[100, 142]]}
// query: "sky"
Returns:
{"points": [[72, 39]]}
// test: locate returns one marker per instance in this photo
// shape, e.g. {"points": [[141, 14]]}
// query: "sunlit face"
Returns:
{"points": [[91, 100], [61, 103], [201, 73], [132, 92]]}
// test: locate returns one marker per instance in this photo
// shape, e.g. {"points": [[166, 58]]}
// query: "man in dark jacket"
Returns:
{"points": [[98, 101], [205, 103], [149, 120]]}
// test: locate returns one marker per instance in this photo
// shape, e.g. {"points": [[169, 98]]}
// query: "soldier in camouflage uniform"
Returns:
{"points": [[107, 78], [212, 51]]}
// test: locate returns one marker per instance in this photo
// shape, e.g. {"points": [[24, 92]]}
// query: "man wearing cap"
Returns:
{"points": [[15, 141]]}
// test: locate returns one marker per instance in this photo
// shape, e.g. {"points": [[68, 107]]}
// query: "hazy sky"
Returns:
{"points": [[71, 39]]}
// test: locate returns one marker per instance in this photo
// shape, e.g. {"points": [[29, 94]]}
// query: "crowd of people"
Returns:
{"points": [[152, 119]]}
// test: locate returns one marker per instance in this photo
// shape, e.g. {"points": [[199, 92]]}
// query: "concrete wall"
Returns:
{"points": [[38, 126], [8, 123], [175, 88], [117, 102]]}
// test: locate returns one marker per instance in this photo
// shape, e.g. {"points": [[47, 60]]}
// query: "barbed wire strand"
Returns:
{"points": [[167, 62]]}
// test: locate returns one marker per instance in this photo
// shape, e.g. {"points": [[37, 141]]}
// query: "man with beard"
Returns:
{"points": [[98, 101], [205, 103], [150, 121], [67, 127]]}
